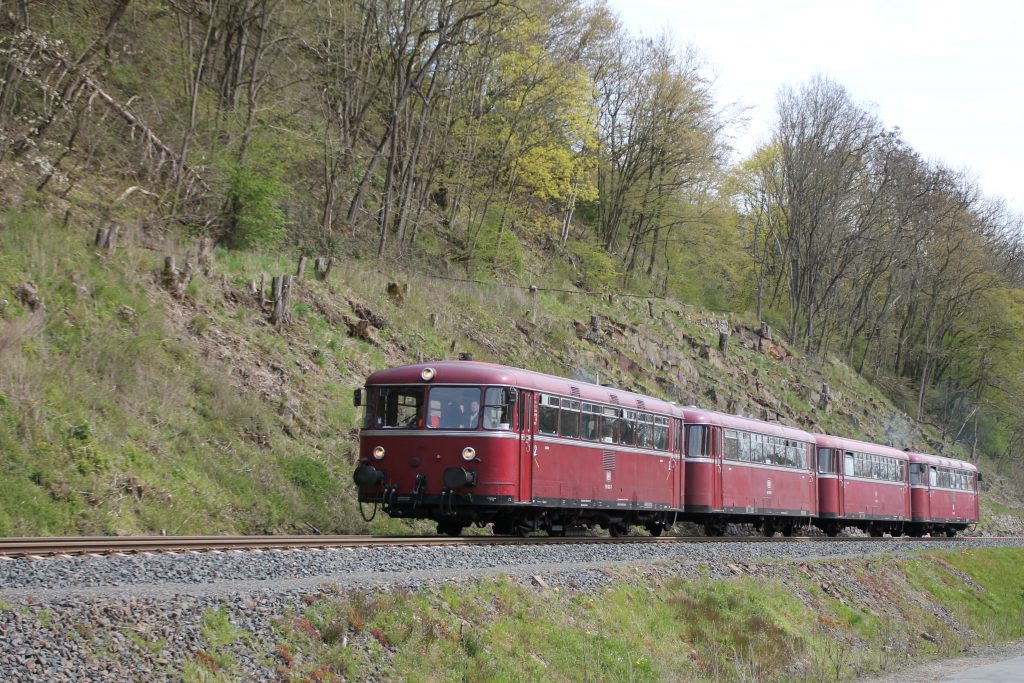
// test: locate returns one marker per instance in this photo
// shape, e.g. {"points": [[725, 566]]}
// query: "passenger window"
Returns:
{"points": [[644, 437], [569, 419], [627, 428], [547, 415], [849, 466], [609, 426], [732, 445], [589, 418], [661, 434]]}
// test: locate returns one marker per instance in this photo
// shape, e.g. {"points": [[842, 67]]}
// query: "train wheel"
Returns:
{"points": [[787, 530], [950, 532], [503, 528], [617, 529], [832, 530], [655, 528], [450, 527], [768, 528], [714, 527], [875, 532]]}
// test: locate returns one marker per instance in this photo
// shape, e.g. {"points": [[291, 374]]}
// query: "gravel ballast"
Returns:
{"points": [[138, 617]]}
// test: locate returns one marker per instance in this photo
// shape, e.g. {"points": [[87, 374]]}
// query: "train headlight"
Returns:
{"points": [[378, 453], [427, 374], [468, 453]]}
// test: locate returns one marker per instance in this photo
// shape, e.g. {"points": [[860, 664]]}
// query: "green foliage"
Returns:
{"points": [[254, 219], [310, 475], [595, 269]]}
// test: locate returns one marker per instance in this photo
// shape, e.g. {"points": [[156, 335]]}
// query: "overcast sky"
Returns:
{"points": [[949, 74]]}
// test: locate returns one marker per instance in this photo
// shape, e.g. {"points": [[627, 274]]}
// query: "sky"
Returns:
{"points": [[950, 75]]}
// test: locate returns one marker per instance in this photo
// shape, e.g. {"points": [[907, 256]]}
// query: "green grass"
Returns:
{"points": [[793, 624]]}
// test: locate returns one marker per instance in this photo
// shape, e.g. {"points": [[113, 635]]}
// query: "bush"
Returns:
{"points": [[253, 216], [309, 474]]}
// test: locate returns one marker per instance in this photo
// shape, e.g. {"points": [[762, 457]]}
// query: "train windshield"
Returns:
{"points": [[454, 408], [394, 407]]}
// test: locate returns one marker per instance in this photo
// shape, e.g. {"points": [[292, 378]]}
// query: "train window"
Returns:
{"points": [[744, 446], [589, 418], [627, 428], [826, 461], [661, 434], [497, 413], [547, 415], [396, 407], [609, 425], [697, 441], [732, 445], [848, 465], [644, 430], [569, 418], [933, 476], [756, 448], [454, 408]]}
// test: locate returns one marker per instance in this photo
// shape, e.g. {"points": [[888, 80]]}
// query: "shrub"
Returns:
{"points": [[253, 216]]}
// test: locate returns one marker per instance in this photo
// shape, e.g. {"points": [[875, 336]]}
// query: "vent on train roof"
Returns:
{"points": [[614, 399], [640, 404], [574, 392]]}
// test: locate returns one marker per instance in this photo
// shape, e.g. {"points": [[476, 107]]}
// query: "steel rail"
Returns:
{"points": [[113, 545]]}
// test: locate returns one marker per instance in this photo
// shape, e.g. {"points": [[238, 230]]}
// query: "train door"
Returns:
{"points": [[678, 465], [844, 466], [717, 451], [526, 419], [814, 505]]}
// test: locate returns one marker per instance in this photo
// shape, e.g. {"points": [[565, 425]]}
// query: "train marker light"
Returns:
{"points": [[378, 452], [427, 374], [468, 453]]}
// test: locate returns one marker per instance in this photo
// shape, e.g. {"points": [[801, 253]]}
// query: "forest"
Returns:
{"points": [[484, 138]]}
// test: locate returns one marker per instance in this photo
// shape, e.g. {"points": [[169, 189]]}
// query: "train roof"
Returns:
{"points": [[940, 461], [476, 372], [829, 441], [693, 414]]}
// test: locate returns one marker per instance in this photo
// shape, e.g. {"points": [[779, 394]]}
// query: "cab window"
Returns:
{"points": [[498, 402], [454, 408], [395, 408]]}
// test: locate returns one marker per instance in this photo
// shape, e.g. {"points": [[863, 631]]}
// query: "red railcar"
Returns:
{"points": [[741, 470], [462, 442], [944, 495], [861, 484]]}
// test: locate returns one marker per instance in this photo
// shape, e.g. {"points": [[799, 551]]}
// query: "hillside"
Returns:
{"points": [[127, 409], [542, 188]]}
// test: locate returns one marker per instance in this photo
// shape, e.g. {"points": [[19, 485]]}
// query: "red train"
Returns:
{"points": [[463, 442]]}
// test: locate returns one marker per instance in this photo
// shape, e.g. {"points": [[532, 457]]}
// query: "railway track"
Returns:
{"points": [[113, 545]]}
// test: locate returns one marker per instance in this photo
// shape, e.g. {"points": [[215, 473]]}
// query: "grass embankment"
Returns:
{"points": [[819, 621], [125, 410]]}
